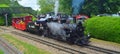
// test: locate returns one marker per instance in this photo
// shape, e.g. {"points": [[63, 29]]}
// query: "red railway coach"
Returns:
{"points": [[21, 22]]}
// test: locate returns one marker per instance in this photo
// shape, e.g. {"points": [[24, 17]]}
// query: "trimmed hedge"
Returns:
{"points": [[105, 28]]}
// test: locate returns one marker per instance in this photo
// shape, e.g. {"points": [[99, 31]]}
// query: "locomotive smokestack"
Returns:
{"points": [[56, 7], [77, 6]]}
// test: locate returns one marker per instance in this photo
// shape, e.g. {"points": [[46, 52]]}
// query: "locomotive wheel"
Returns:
{"points": [[71, 40], [83, 41], [47, 32], [39, 32]]}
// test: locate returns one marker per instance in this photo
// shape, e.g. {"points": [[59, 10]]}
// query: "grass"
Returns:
{"points": [[1, 52], [23, 46]]}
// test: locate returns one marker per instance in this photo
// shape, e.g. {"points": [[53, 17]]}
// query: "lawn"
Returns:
{"points": [[26, 48], [1, 52]]}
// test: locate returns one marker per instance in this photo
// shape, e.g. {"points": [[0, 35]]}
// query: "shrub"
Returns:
{"points": [[105, 28], [2, 21]]}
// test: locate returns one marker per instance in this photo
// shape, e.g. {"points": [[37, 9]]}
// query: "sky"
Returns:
{"points": [[29, 3]]}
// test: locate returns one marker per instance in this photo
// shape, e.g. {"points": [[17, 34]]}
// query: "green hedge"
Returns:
{"points": [[105, 28]]}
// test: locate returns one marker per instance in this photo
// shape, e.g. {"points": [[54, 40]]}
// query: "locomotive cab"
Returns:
{"points": [[37, 26]]}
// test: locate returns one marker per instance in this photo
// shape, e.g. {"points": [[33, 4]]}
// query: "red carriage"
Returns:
{"points": [[21, 22]]}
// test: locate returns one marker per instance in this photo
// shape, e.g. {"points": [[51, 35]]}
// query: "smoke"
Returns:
{"points": [[77, 6], [56, 7], [70, 26], [57, 29]]}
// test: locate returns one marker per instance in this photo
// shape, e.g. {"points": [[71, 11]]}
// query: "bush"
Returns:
{"points": [[2, 21], [105, 28]]}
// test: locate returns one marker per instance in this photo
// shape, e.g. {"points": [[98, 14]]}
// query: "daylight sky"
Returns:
{"points": [[29, 3]]}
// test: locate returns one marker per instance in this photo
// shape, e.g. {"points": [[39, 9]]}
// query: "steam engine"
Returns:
{"points": [[60, 28]]}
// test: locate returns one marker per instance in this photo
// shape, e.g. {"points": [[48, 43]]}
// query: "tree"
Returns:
{"points": [[90, 6], [65, 6], [46, 5], [102, 6]]}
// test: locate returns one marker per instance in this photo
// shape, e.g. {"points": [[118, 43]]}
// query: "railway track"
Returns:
{"points": [[7, 47], [69, 50], [3, 28], [107, 51], [66, 49], [59, 47]]}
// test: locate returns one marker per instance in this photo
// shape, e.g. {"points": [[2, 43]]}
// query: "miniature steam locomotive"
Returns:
{"points": [[58, 27]]}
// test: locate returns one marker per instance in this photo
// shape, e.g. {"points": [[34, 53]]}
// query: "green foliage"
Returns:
{"points": [[10, 3], [4, 1], [9, 18], [14, 4], [65, 6], [48, 6], [4, 5], [19, 15], [105, 28], [1, 52], [2, 21], [102, 6], [17, 10], [13, 8], [34, 18], [91, 6]]}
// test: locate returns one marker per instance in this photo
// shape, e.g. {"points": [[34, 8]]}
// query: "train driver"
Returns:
{"points": [[37, 22]]}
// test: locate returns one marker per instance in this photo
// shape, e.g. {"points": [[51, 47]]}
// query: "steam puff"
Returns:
{"points": [[77, 6], [57, 29], [56, 7]]}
